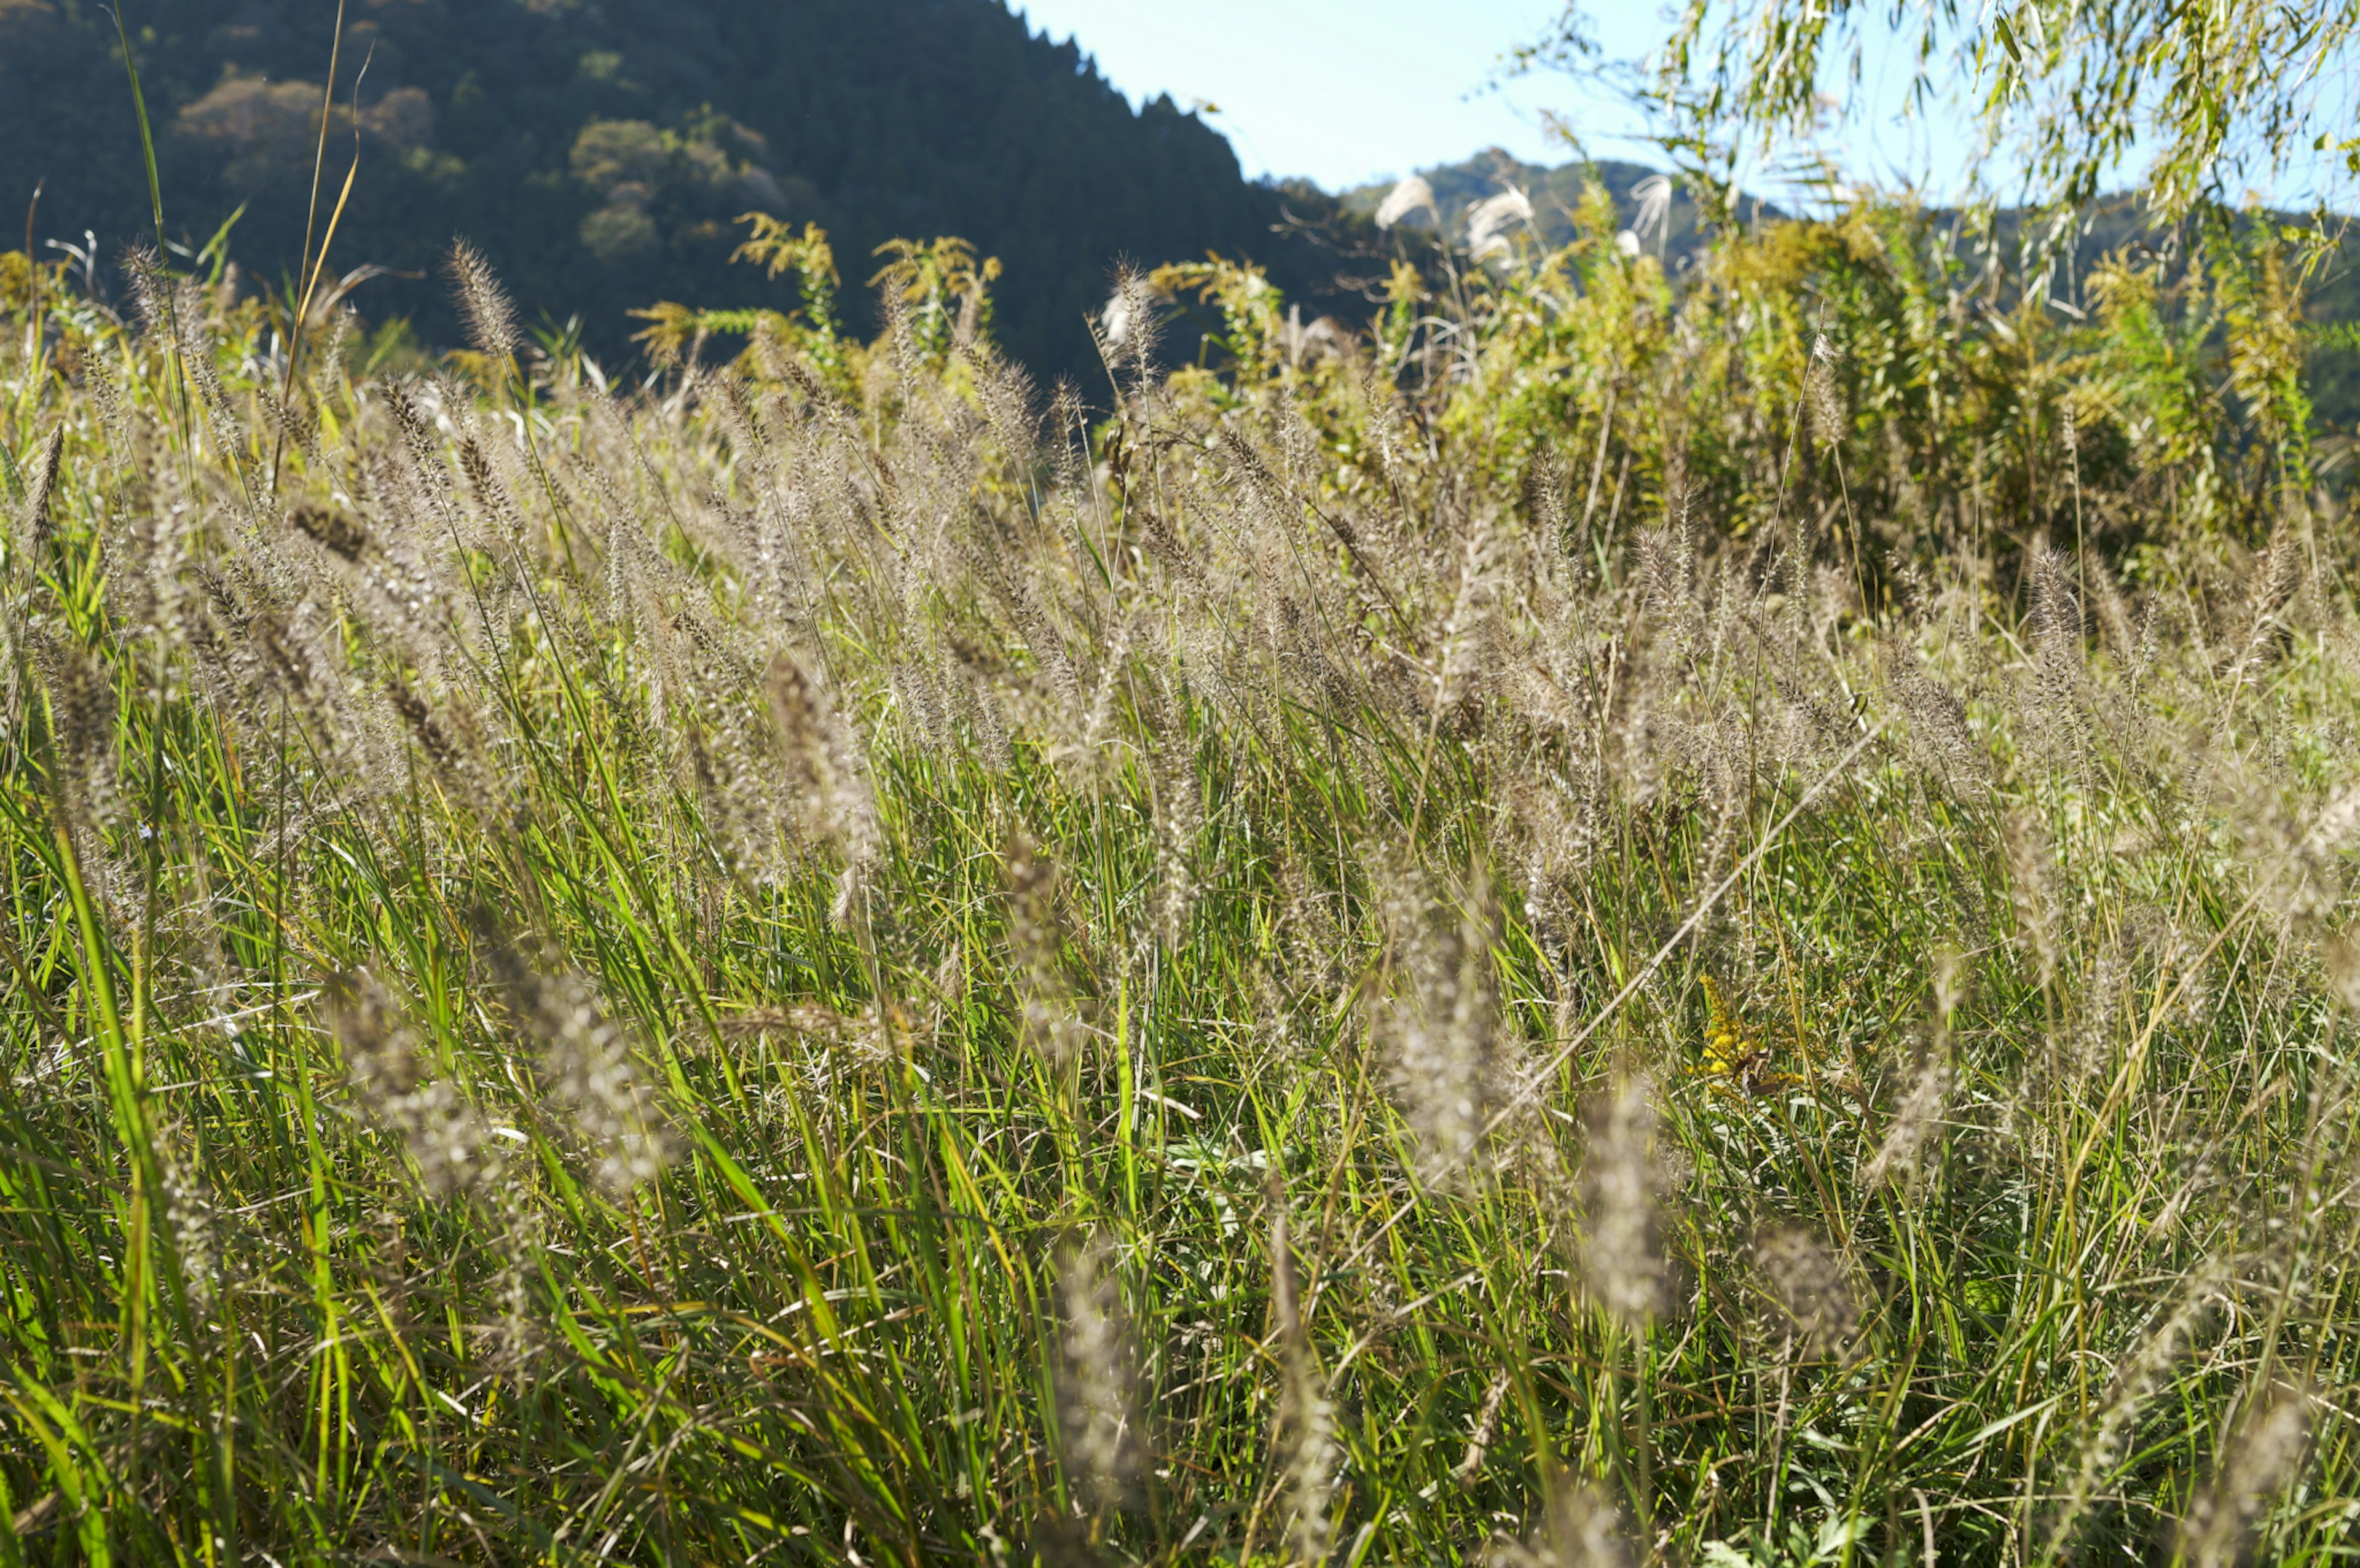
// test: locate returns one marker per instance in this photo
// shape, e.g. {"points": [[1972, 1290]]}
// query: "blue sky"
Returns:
{"points": [[1341, 91], [1349, 91]]}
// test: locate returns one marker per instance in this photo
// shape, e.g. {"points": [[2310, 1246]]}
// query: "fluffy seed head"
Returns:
{"points": [[46, 469], [2342, 955], [2266, 1455], [1490, 220], [1810, 1287], [484, 304], [1036, 939], [2032, 876], [1097, 1407], [1307, 1417], [1622, 1263], [190, 1214], [1579, 1528], [1410, 195], [1179, 817], [824, 762], [586, 1065], [1440, 1030], [445, 1138], [1915, 1121], [2135, 1379]]}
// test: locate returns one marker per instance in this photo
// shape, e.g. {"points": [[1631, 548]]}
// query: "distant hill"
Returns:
{"points": [[598, 149]]}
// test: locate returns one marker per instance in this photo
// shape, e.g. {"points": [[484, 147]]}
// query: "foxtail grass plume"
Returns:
{"points": [[1487, 1428], [1579, 1528], [1810, 1287], [1828, 420], [521, 1335], [1098, 1377], [190, 1216], [2059, 704], [1179, 817], [828, 774], [1036, 940], [39, 495], [1622, 1265], [2265, 1457], [1306, 1418], [2135, 1379], [447, 1140], [1919, 1116], [2274, 585], [593, 1078], [2031, 882], [1915, 1121], [2342, 962], [484, 304], [1441, 1032], [1542, 489], [586, 1065]]}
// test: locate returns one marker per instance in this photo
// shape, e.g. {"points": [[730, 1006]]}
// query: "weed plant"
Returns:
{"points": [[834, 960]]}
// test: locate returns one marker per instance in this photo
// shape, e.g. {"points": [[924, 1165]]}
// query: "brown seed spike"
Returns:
{"points": [[44, 488], [335, 531]]}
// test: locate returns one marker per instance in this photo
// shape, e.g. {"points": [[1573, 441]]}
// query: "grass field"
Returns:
{"points": [[857, 967]]}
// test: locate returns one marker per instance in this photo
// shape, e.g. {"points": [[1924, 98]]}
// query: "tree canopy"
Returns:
{"points": [[597, 154], [2216, 95]]}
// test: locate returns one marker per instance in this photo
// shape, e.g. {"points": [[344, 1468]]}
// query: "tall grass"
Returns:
{"points": [[837, 963]]}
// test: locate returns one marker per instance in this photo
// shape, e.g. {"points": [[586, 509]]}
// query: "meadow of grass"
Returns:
{"points": [[836, 960]]}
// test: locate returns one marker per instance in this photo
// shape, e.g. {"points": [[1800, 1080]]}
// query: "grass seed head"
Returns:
{"points": [[2031, 885], [1579, 1528], [39, 495], [586, 1064], [82, 718], [824, 762], [2342, 967], [2137, 1377], [1829, 421], [1915, 1121], [1097, 1375], [2266, 1454], [446, 1139], [484, 304], [1036, 940], [1308, 1451], [1623, 1266], [1179, 817], [190, 1214], [1440, 1025], [1810, 1287]]}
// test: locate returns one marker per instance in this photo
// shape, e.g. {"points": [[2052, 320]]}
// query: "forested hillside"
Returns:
{"points": [[599, 152]]}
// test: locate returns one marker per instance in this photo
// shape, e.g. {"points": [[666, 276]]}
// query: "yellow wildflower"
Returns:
{"points": [[1733, 1054]]}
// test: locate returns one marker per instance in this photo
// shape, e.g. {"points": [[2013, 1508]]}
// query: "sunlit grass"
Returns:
{"points": [[690, 979]]}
